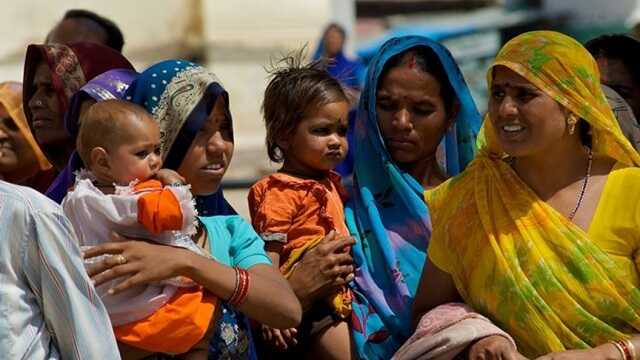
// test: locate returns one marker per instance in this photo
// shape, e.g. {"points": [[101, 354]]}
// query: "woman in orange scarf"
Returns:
{"points": [[21, 160], [541, 232]]}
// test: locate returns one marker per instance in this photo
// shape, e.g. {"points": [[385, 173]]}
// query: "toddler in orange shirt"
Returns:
{"points": [[306, 114], [123, 190]]}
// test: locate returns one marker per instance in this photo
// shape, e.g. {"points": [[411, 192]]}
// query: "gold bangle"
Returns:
{"points": [[620, 348], [632, 348]]}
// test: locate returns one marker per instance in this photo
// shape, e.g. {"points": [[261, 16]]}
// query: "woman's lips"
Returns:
{"points": [[512, 132], [214, 169], [40, 123], [399, 144]]}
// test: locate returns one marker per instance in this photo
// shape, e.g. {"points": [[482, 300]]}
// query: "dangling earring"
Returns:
{"points": [[572, 120]]}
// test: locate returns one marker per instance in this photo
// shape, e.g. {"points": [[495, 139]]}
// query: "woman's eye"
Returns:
{"points": [[526, 95], [225, 125], [385, 106], [497, 94], [321, 131], [423, 111]]}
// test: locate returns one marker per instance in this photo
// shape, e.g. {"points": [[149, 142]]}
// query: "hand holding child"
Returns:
{"points": [[169, 177], [280, 339]]}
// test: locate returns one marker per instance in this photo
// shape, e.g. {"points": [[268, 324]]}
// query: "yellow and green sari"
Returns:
{"points": [[512, 256]]}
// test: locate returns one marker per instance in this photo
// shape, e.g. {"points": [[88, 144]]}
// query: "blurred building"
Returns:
{"points": [[235, 39]]}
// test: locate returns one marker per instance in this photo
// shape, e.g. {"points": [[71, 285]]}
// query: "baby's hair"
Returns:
{"points": [[295, 90], [103, 125]]}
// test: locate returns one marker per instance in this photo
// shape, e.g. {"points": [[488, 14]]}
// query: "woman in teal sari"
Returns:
{"points": [[417, 126]]}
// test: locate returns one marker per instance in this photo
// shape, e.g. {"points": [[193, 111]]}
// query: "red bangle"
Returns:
{"points": [[624, 348], [242, 288]]}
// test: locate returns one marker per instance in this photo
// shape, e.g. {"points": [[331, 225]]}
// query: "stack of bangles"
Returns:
{"points": [[242, 288], [626, 348]]}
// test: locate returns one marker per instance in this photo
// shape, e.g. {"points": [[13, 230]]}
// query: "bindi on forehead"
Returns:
{"points": [[412, 61]]}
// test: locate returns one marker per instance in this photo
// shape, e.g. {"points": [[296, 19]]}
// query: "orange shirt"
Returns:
{"points": [[295, 211]]}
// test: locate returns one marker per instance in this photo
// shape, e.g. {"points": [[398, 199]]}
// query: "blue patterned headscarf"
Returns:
{"points": [[386, 212], [180, 95]]}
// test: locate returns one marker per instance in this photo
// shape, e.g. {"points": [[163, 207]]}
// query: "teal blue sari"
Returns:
{"points": [[386, 212]]}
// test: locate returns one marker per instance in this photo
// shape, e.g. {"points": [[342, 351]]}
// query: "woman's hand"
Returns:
{"points": [[141, 262], [494, 347], [606, 351], [279, 339], [169, 177], [323, 269]]}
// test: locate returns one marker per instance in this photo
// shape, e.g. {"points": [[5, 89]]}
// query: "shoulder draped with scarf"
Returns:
{"points": [[386, 212]]}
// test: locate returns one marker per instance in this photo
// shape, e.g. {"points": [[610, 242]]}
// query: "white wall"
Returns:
{"points": [[240, 37]]}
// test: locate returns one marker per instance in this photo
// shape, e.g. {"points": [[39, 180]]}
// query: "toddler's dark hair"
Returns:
{"points": [[295, 90]]}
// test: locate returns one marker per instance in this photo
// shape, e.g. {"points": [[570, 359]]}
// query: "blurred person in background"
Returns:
{"points": [[618, 58], [78, 25], [21, 160]]}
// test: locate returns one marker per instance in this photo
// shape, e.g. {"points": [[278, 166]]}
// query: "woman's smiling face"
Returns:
{"points": [[210, 153]]}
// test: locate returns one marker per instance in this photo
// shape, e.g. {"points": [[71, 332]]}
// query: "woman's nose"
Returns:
{"points": [[508, 107], [216, 143], [402, 120]]}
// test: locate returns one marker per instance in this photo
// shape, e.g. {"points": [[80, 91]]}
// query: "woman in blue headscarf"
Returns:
{"points": [[196, 134], [417, 125]]}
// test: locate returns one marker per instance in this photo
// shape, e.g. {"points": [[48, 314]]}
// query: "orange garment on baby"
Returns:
{"points": [[299, 213], [183, 321], [176, 326], [158, 208]]}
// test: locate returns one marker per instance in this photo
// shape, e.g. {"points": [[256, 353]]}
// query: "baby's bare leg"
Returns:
{"points": [[333, 343]]}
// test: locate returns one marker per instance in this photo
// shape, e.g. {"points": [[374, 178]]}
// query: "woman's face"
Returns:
{"points": [[17, 159], [46, 117], [210, 152], [525, 119], [333, 42], [411, 114]]}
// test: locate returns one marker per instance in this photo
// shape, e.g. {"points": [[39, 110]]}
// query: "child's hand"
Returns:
{"points": [[280, 339], [169, 177]]}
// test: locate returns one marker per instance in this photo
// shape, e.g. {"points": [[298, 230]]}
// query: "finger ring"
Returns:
{"points": [[121, 259]]}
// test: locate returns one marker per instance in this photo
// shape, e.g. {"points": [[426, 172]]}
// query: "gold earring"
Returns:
{"points": [[572, 120]]}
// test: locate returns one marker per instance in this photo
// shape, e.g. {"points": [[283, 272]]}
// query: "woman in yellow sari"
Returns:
{"points": [[540, 233]]}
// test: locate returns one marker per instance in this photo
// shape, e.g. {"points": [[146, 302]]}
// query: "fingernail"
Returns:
{"points": [[111, 291]]}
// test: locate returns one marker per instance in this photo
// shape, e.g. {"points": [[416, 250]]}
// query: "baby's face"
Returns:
{"points": [[138, 156]]}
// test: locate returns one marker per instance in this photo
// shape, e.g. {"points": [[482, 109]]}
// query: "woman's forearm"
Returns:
{"points": [[270, 299]]}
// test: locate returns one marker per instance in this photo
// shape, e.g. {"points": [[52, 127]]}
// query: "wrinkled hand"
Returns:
{"points": [[494, 347], [169, 177], [139, 261], [280, 339], [602, 352], [323, 269]]}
